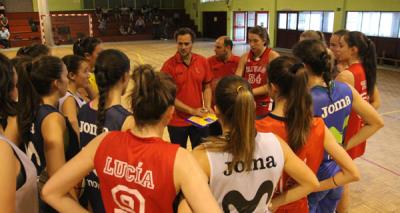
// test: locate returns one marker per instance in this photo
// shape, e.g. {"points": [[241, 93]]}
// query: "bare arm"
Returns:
{"points": [[241, 65], [7, 178], [193, 183], [12, 132], [56, 191], [299, 171], [70, 110], [261, 90], [372, 120], [349, 171], [375, 99], [53, 129], [187, 109], [207, 96], [346, 77]]}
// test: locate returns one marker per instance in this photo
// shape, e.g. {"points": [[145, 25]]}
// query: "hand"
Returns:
{"points": [[210, 110], [272, 207], [200, 112]]}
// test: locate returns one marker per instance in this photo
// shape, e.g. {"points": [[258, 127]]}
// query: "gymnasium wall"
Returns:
{"points": [[194, 8], [61, 5], [13, 6]]}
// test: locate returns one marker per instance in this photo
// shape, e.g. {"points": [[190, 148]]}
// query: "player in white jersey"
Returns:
{"points": [[244, 166]]}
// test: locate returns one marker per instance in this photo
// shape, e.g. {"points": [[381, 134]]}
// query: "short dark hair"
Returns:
{"points": [[228, 42], [184, 31]]}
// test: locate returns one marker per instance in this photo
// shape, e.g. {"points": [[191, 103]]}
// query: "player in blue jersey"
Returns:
{"points": [[105, 112], [333, 101]]}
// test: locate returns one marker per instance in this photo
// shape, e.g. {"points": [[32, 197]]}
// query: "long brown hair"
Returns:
{"points": [[234, 99], [289, 76]]}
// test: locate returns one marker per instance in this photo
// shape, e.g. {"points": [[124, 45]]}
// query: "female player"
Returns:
{"points": [[8, 92], [78, 74], [18, 178], [333, 101], [252, 66], [358, 51], [105, 112], [292, 119], [243, 166], [151, 172], [47, 137], [89, 48]]}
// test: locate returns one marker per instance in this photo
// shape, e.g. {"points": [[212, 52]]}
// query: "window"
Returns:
{"points": [[383, 24], [307, 20], [292, 22], [282, 20], [251, 19]]}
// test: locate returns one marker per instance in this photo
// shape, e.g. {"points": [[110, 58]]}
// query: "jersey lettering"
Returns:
{"points": [[130, 173], [338, 105]]}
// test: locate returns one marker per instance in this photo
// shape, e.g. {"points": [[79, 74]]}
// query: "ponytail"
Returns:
{"points": [[369, 64], [298, 110], [367, 55], [291, 79], [28, 103], [236, 102], [111, 65], [316, 56]]}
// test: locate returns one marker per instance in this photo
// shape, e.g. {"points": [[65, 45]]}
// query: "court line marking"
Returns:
{"points": [[390, 112], [380, 166]]}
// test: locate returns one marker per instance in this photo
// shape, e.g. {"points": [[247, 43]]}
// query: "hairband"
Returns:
{"points": [[239, 88]]}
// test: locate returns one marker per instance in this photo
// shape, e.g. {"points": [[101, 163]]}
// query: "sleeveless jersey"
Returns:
{"points": [[26, 199], [115, 118], [237, 190], [35, 150], [335, 111], [78, 100], [255, 73], [137, 175], [355, 121], [311, 153]]}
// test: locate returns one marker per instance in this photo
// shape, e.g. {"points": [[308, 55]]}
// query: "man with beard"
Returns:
{"points": [[193, 77]]}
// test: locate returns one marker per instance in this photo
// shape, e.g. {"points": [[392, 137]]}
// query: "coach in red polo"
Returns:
{"points": [[222, 64], [193, 77]]}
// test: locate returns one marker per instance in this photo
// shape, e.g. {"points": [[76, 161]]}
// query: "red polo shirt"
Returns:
{"points": [[221, 69], [189, 81]]}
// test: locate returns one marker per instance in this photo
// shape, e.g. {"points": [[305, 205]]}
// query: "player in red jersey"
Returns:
{"points": [[359, 53], [222, 64], [253, 67], [292, 119], [143, 173]]}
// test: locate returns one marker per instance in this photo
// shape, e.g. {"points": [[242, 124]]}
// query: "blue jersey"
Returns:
{"points": [[114, 119], [334, 108], [35, 150]]}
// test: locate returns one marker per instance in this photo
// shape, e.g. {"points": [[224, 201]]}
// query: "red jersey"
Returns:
{"points": [[355, 121], [137, 174], [221, 69], [189, 81], [311, 153], [255, 73]]}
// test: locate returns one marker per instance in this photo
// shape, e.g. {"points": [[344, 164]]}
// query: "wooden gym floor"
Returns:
{"points": [[379, 187]]}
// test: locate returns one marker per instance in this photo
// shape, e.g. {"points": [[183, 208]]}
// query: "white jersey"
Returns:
{"points": [[26, 199], [238, 190], [78, 99]]}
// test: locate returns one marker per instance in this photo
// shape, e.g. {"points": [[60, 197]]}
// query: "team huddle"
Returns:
{"points": [[288, 130]]}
